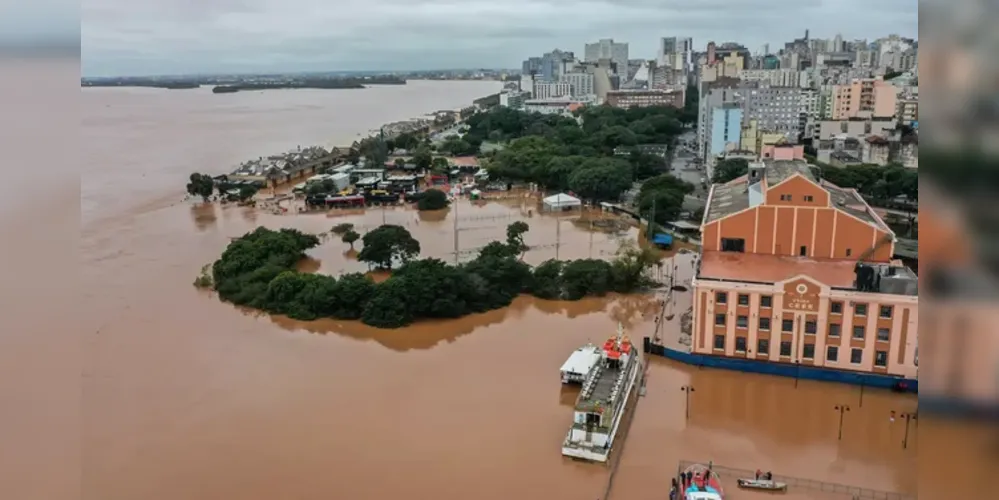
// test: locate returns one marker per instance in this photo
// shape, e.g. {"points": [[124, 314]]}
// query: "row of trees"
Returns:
{"points": [[562, 153], [880, 184], [258, 270], [205, 186]]}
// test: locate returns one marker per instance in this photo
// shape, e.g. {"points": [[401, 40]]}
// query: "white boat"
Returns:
{"points": [[762, 484], [603, 400], [579, 364]]}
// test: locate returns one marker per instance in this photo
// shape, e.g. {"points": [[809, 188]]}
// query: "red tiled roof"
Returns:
{"points": [[773, 268]]}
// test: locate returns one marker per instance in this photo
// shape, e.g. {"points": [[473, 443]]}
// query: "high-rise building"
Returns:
{"points": [[607, 48], [581, 83], [675, 52]]}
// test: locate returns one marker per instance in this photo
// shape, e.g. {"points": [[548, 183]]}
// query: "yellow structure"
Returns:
{"points": [[754, 139]]}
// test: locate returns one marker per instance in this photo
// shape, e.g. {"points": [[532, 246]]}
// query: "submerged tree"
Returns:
{"points": [[350, 237], [388, 243], [201, 185]]}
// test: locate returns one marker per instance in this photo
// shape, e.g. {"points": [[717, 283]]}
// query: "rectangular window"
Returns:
{"points": [[858, 332], [763, 346], [721, 297], [884, 335], [880, 358], [743, 299], [808, 352], [740, 344], [720, 319], [803, 251], [719, 341], [811, 327], [787, 325], [785, 197], [765, 324], [835, 329], [742, 322], [886, 312], [733, 245], [785, 348], [835, 308], [809, 198], [766, 301], [860, 309], [856, 356], [849, 252], [832, 353]]}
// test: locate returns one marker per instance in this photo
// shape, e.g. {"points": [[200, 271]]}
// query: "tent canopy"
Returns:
{"points": [[562, 200]]}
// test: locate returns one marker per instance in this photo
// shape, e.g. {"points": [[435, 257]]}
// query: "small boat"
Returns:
{"points": [[762, 484]]}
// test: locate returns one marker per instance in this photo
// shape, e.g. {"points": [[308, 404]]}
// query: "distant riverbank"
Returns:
{"points": [[347, 83]]}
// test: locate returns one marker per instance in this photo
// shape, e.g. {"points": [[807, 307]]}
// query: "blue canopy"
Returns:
{"points": [[662, 239]]}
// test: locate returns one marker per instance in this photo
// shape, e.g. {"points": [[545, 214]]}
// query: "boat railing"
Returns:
{"points": [[804, 483]]}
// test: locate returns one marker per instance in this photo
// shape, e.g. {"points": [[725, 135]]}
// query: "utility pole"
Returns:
{"points": [[842, 409], [456, 250], [909, 417], [652, 218], [558, 235], [591, 239], [687, 390]]}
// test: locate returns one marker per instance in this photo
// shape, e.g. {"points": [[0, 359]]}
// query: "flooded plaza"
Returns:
{"points": [[188, 397]]}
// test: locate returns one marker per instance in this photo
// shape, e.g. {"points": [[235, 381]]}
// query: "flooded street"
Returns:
{"points": [[186, 397]]}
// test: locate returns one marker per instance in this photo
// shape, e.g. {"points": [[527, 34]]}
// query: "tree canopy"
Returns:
{"points": [[386, 244], [258, 270], [432, 199], [729, 169], [201, 185], [554, 150]]}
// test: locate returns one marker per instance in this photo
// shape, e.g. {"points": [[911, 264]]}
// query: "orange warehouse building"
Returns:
{"points": [[797, 270]]}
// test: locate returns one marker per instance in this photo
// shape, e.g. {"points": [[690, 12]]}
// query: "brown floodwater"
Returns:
{"points": [[188, 397]]}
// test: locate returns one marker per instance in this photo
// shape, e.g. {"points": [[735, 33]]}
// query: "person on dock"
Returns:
{"points": [[758, 474]]}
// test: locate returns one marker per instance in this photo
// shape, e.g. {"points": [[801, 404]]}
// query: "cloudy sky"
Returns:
{"points": [[141, 37]]}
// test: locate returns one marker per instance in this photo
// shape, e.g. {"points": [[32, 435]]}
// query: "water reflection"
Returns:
{"points": [[203, 215], [427, 334]]}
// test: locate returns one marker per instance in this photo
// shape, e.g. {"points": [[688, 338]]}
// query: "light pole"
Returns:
{"points": [[687, 390], [842, 409], [908, 417], [797, 370]]}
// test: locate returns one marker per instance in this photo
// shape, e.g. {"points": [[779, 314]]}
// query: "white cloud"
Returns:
{"points": [[182, 36]]}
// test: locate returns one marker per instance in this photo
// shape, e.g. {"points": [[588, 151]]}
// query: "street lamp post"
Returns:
{"points": [[909, 416], [842, 409], [687, 390], [797, 370]]}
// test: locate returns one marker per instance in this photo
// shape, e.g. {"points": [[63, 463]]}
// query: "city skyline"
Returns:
{"points": [[230, 36]]}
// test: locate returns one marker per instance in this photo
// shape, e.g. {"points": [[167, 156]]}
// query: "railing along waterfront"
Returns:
{"points": [[804, 483]]}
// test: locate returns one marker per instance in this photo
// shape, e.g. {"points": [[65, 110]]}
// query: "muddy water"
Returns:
{"points": [[188, 397]]}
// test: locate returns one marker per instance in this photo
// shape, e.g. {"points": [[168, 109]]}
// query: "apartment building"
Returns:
{"points": [[607, 48], [755, 140], [581, 83], [545, 90], [908, 109], [776, 109], [513, 98], [857, 129], [726, 130], [798, 271], [788, 77], [864, 98], [645, 98], [713, 95]]}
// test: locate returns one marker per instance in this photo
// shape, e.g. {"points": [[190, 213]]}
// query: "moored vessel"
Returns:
{"points": [[580, 363], [603, 399]]}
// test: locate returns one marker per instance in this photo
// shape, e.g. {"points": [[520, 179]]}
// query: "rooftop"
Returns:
{"points": [[841, 274], [738, 194]]}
